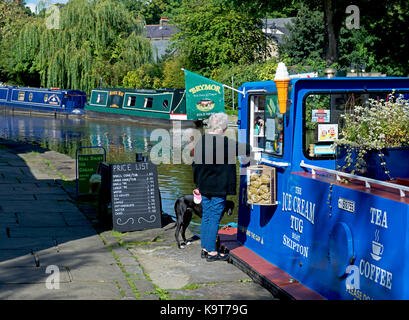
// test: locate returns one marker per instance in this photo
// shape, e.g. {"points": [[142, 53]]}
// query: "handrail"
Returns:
{"points": [[367, 181]]}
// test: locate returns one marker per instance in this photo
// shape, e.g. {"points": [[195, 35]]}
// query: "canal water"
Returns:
{"points": [[121, 140]]}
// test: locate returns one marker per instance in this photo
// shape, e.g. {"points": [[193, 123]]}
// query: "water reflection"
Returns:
{"points": [[121, 141]]}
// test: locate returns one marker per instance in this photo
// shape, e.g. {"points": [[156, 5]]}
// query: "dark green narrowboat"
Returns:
{"points": [[162, 106]]}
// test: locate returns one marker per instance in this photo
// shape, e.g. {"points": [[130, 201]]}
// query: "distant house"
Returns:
{"points": [[159, 35], [276, 29]]}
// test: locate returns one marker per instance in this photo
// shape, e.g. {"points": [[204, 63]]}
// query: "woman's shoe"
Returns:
{"points": [[203, 254], [217, 257]]}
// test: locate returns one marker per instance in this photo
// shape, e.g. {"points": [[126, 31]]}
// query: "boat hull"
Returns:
{"points": [[116, 114], [49, 112]]}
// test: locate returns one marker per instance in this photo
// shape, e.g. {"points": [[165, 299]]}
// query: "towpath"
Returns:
{"points": [[53, 247]]}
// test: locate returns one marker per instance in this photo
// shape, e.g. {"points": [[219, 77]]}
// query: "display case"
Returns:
{"points": [[266, 134], [261, 185]]}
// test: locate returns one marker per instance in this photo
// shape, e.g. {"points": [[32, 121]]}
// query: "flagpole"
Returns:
{"points": [[242, 92]]}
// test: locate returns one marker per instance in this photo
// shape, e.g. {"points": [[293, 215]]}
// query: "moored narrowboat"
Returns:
{"points": [[148, 106], [52, 101], [304, 226]]}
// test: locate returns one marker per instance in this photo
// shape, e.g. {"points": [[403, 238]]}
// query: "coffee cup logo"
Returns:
{"points": [[377, 248]]}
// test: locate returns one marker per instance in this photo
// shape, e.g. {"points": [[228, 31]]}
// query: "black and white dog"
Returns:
{"points": [[184, 208]]}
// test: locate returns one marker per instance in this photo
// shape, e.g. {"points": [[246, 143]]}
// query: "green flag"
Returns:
{"points": [[203, 96]]}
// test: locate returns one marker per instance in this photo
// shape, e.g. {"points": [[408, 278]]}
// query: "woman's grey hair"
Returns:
{"points": [[218, 122]]}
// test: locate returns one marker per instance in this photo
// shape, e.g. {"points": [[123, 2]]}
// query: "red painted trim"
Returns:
{"points": [[273, 274]]}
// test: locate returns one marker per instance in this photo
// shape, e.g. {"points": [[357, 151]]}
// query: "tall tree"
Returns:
{"points": [[94, 40], [213, 32], [13, 16], [306, 39], [388, 21], [152, 10]]}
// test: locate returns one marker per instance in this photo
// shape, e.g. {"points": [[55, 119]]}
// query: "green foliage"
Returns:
{"points": [[379, 42], [147, 76], [173, 76], [213, 33], [13, 16], [153, 10], [103, 40], [267, 8], [95, 40], [306, 39], [382, 124], [388, 23], [241, 74]]}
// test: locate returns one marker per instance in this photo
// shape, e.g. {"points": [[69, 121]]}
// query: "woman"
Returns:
{"points": [[214, 174]]}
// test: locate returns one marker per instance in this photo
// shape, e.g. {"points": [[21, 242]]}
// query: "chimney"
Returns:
{"points": [[163, 22]]}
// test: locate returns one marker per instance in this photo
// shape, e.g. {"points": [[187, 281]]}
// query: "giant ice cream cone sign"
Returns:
{"points": [[282, 80]]}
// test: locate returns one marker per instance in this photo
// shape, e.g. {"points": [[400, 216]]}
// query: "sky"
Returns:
{"points": [[33, 3]]}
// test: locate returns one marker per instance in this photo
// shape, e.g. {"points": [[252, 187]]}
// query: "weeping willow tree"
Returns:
{"points": [[94, 40]]}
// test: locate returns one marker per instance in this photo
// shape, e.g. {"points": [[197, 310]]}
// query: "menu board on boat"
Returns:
{"points": [[135, 196]]}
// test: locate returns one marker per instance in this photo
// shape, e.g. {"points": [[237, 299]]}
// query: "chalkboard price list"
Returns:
{"points": [[135, 199]]}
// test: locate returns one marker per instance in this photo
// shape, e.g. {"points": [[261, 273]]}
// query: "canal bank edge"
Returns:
{"points": [[144, 265]]}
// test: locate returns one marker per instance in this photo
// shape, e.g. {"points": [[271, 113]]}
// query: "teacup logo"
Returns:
{"points": [[377, 248]]}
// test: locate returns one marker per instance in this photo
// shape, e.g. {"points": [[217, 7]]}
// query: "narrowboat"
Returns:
{"points": [[146, 106], [320, 233], [52, 101]]}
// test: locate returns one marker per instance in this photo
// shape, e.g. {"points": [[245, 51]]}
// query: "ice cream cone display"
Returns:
{"points": [[282, 79], [261, 185]]}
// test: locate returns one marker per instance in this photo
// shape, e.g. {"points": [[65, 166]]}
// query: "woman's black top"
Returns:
{"points": [[214, 164]]}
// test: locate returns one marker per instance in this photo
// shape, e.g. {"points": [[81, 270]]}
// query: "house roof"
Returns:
{"points": [[156, 31], [277, 27]]}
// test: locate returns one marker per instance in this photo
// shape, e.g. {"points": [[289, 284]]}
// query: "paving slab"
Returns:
{"points": [[41, 219], [17, 275], [41, 205], [96, 272], [16, 258], [66, 291], [53, 232], [91, 242], [223, 291], [145, 289], [26, 243], [75, 258]]}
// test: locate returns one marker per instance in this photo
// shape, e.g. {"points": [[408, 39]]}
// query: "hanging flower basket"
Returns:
{"points": [[374, 140]]}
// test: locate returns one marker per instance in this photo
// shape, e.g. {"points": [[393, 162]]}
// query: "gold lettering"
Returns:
{"points": [[211, 87]]}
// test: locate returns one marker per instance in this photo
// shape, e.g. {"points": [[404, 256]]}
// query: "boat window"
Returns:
{"points": [[148, 102], [165, 104], [30, 97], [322, 119], [266, 125], [131, 101], [21, 96], [101, 98], [45, 98]]}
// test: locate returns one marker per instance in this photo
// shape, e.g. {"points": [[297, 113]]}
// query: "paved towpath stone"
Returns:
{"points": [[43, 229]]}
